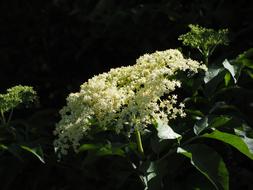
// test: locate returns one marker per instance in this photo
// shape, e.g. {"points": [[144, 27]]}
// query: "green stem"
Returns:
{"points": [[206, 60], [139, 142], [10, 116], [206, 55], [3, 118]]}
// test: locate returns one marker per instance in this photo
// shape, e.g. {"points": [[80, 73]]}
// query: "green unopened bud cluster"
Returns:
{"points": [[15, 96], [204, 39]]}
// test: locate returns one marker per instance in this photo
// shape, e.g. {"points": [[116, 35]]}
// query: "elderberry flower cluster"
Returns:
{"points": [[125, 98]]}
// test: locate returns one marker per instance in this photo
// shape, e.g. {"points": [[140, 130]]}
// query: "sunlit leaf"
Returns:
{"points": [[234, 70], [37, 151], [248, 141], [227, 78], [232, 140], [165, 131]]}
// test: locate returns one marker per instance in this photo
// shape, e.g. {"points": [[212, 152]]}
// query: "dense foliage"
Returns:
{"points": [[57, 45]]}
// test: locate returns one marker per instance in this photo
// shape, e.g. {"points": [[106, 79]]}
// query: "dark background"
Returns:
{"points": [[57, 45]]}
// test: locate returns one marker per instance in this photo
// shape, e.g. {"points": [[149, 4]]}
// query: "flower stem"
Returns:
{"points": [[139, 142], [206, 56], [10, 116], [3, 117], [206, 60]]}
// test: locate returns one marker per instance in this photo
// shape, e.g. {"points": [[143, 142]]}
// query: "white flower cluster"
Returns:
{"points": [[125, 98]]}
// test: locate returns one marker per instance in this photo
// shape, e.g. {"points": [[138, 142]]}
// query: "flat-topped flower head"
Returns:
{"points": [[204, 39], [15, 96], [125, 98]]}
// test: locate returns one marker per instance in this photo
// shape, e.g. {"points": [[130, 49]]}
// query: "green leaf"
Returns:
{"points": [[153, 173], [158, 145], [230, 68], [212, 72], [243, 134], [7, 134], [217, 106], [232, 140], [211, 85], [200, 125], [103, 149], [195, 180], [248, 63], [245, 59], [3, 147], [234, 70], [148, 170], [165, 131], [14, 149], [195, 114], [85, 147], [244, 131], [106, 151], [210, 121], [227, 78], [249, 73], [208, 162], [219, 121], [37, 151]]}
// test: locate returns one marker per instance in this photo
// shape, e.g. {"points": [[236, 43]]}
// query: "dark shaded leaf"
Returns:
{"points": [[210, 121], [212, 84], [103, 149], [200, 125], [195, 113], [3, 147], [212, 72], [153, 173], [211, 166], [15, 151], [107, 150]]}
